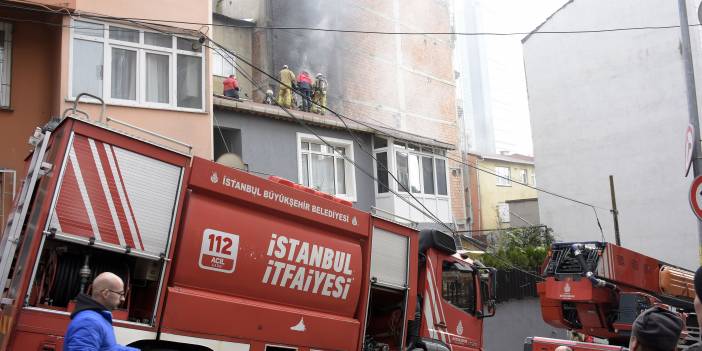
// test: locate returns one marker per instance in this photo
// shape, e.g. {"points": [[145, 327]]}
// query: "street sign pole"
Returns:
{"points": [[691, 102]]}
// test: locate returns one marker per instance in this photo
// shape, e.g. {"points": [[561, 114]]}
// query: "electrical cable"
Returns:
{"points": [[349, 31], [341, 117], [481, 246], [138, 21], [426, 211]]}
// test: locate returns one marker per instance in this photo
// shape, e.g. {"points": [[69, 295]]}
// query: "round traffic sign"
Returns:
{"points": [[696, 196]]}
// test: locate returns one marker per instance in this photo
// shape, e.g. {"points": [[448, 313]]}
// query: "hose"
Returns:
{"points": [[587, 272]]}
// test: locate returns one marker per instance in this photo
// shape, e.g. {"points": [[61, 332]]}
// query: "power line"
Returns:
{"points": [[347, 31], [428, 213]]}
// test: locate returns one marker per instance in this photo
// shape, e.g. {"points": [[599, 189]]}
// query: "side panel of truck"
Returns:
{"points": [[263, 261]]}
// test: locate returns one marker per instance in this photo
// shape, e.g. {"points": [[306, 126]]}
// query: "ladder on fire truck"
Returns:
{"points": [[16, 219]]}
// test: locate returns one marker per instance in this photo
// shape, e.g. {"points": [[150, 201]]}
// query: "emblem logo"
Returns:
{"points": [[214, 178], [459, 328], [354, 221], [566, 288], [300, 326]]}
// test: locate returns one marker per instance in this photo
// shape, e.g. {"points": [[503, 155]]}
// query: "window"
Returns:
{"points": [[324, 168], [458, 287], [383, 176], [503, 212], [419, 170], [503, 178], [524, 176], [138, 68], [5, 63], [533, 178], [222, 65]]}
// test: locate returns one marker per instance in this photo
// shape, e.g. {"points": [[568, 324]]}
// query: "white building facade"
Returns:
{"points": [[614, 103]]}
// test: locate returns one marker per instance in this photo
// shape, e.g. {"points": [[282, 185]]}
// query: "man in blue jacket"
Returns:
{"points": [[91, 322]]}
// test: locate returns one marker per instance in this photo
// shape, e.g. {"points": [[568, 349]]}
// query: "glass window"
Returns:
{"points": [[5, 63], [87, 67], [382, 170], [189, 76], [503, 212], [428, 174], [140, 73], [124, 34], [402, 171], [158, 39], [326, 169], [89, 29], [524, 177], [222, 66], [189, 45], [340, 176], [458, 286], [379, 142], [503, 176], [441, 186], [414, 174], [305, 167], [323, 173], [123, 80], [157, 78]]}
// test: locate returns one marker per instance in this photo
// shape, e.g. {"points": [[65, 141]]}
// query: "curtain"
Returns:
{"points": [[123, 74], [87, 67], [323, 173], [189, 81], [157, 78]]}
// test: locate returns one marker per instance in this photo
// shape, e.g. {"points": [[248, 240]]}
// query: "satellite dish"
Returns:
{"points": [[231, 160]]}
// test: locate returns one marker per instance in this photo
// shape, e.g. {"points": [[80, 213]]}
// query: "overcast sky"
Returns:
{"points": [[510, 108]]}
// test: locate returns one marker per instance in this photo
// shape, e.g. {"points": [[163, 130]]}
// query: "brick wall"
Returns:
{"points": [[405, 82]]}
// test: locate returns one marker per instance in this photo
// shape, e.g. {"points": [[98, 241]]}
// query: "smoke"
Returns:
{"points": [[311, 51]]}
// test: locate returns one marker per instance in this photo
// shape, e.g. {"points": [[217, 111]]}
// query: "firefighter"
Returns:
{"points": [[319, 95], [287, 81], [657, 329], [304, 84]]}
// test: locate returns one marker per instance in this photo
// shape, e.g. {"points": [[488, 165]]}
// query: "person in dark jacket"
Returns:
{"points": [[91, 322], [656, 329], [698, 306], [304, 84]]}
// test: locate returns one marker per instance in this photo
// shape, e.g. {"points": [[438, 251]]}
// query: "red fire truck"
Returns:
{"points": [[599, 289], [218, 259]]}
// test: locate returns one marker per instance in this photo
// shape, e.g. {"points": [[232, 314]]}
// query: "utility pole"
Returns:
{"points": [[615, 213], [691, 102]]}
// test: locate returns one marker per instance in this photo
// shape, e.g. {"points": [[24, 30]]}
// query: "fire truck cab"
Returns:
{"points": [[216, 259]]}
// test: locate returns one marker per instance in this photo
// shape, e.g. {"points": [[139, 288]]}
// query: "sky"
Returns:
{"points": [[508, 96]]}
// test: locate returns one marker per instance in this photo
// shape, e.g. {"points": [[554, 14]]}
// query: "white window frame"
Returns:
{"points": [[219, 60], [503, 213], [141, 48], [424, 151], [6, 73], [524, 175], [502, 181], [350, 170]]}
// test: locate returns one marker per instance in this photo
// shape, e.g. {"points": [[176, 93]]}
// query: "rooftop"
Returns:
{"points": [[330, 121]]}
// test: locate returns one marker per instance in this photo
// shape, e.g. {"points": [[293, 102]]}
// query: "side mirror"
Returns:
{"points": [[488, 291]]}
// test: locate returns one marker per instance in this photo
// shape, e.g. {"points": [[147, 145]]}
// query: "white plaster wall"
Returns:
{"points": [[613, 103]]}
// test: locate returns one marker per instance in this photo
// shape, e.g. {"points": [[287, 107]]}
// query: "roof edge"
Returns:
{"points": [[271, 111], [546, 20]]}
